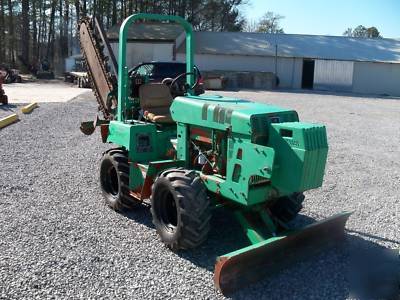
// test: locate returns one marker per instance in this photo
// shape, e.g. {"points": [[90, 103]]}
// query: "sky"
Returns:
{"points": [[330, 17]]}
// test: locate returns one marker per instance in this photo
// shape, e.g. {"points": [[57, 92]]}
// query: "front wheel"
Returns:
{"points": [[180, 209]]}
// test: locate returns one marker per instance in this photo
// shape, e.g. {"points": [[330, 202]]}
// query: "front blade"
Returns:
{"points": [[247, 265]]}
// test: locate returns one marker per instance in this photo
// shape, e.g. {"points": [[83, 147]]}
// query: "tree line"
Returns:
{"points": [[270, 22], [35, 30], [363, 32]]}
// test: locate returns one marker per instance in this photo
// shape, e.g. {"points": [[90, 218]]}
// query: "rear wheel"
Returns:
{"points": [[180, 209], [288, 207], [114, 179]]}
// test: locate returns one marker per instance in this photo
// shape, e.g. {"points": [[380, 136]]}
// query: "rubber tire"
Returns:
{"points": [[192, 206], [288, 207], [116, 190]]}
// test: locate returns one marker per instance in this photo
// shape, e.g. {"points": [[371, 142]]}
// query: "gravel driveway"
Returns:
{"points": [[42, 91], [58, 239]]}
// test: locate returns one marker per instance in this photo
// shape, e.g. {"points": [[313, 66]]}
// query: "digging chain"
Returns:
{"points": [[104, 106]]}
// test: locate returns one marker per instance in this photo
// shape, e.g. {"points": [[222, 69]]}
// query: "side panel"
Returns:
{"points": [[120, 134], [249, 168], [143, 143], [183, 138], [142, 140], [136, 178]]}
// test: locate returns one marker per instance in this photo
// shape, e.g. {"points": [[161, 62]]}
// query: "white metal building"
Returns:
{"points": [[147, 42], [300, 61], [305, 61]]}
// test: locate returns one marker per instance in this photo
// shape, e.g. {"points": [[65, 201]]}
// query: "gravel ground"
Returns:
{"points": [[58, 239], [6, 110]]}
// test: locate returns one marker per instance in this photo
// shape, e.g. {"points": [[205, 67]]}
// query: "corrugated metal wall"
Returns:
{"points": [[333, 75], [289, 72], [347, 76], [289, 69], [145, 52], [210, 62], [376, 78]]}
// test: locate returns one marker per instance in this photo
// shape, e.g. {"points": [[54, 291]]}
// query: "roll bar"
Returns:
{"points": [[123, 68]]}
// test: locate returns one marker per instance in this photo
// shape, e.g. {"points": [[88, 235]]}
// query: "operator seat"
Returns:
{"points": [[155, 101]]}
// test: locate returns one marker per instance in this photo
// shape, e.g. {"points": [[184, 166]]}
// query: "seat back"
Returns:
{"points": [[154, 95]]}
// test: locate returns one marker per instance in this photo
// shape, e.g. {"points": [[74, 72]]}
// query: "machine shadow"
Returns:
{"points": [[8, 107], [140, 214], [331, 268], [341, 272]]}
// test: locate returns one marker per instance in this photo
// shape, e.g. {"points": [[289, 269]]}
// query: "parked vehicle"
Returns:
{"points": [[3, 96], [76, 71], [166, 71], [45, 71], [11, 75]]}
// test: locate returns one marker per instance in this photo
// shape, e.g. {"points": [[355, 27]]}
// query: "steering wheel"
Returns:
{"points": [[177, 89]]}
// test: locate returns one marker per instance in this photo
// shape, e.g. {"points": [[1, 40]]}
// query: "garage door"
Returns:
{"points": [[333, 75]]}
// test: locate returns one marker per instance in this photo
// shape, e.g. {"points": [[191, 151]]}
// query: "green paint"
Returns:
{"points": [[301, 158], [136, 178], [252, 234], [123, 82], [262, 151], [339, 220], [222, 112], [183, 145], [143, 141], [253, 247]]}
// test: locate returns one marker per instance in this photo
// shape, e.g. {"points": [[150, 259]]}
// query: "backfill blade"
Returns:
{"points": [[247, 265], [87, 128]]}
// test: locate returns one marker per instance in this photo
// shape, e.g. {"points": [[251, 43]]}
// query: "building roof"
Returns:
{"points": [[297, 45], [148, 31]]}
